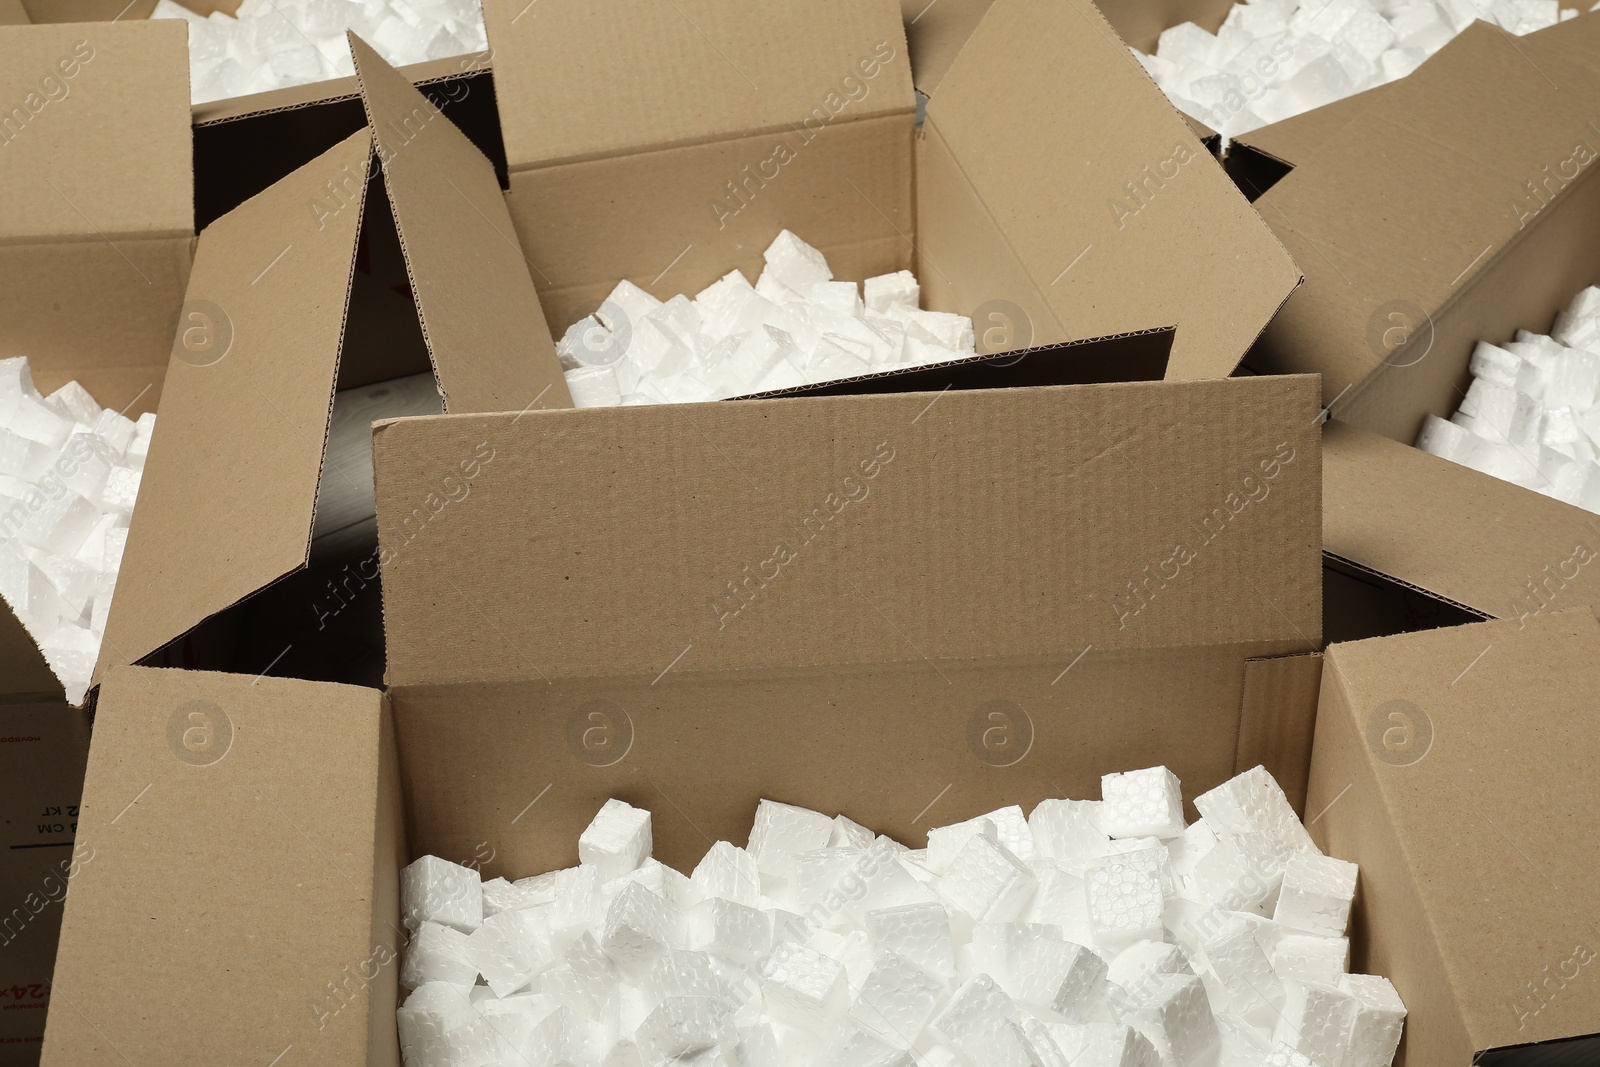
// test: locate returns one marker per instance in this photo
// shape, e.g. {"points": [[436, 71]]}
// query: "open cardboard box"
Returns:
{"points": [[1435, 212], [720, 125], [918, 658], [232, 481], [1457, 768]]}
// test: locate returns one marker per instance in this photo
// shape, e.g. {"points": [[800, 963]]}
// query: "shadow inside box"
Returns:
{"points": [[323, 623], [1358, 604], [1573, 1052]]}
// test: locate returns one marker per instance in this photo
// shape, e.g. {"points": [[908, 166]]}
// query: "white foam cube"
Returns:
{"points": [[1068, 830], [1145, 803], [1125, 905], [1316, 1021], [973, 1017], [617, 840], [1254, 989], [436, 890], [1007, 825], [918, 932], [509, 948], [729, 872], [1316, 895], [1308, 958], [850, 834], [1065, 978], [437, 1025], [1254, 802], [986, 882], [1378, 1021], [898, 997], [784, 830], [437, 953], [639, 926], [794, 264], [899, 289], [1061, 899], [803, 987]]}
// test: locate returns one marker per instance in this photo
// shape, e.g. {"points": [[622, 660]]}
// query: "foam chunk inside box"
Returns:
{"points": [[1274, 59], [1100, 933], [795, 326], [1531, 415], [69, 476], [271, 44]]}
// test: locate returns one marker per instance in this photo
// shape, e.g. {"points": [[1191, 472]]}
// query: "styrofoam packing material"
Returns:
{"points": [[1022, 941], [272, 44], [1273, 59], [795, 326], [1531, 415], [69, 476]]}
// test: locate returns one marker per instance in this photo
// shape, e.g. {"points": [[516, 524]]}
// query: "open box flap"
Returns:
{"points": [[1465, 757], [12, 13], [481, 318], [855, 510], [241, 836], [25, 671], [97, 213], [229, 490], [1088, 178], [104, 150], [1508, 551], [1387, 247], [579, 80]]}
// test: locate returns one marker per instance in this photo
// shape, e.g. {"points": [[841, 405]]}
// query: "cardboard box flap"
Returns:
{"points": [[95, 132], [481, 318], [1097, 188], [230, 487], [839, 530], [1520, 553], [1469, 755], [273, 907], [935, 33], [1367, 217], [581, 80], [26, 672], [12, 13]]}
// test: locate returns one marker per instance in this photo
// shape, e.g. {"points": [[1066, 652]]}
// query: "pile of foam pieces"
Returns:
{"points": [[69, 474], [1274, 59], [1532, 413], [271, 44], [1089, 933], [795, 326]]}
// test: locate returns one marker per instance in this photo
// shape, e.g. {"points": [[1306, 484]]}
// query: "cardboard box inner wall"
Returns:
{"points": [[885, 672], [1456, 767], [859, 563], [241, 458], [688, 167]]}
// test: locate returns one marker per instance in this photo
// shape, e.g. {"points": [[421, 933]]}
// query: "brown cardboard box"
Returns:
{"points": [[962, 632], [1441, 210], [1457, 768], [42, 751], [230, 488], [720, 126]]}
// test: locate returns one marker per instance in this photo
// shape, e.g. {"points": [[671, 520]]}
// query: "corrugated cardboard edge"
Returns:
{"points": [[142, 716], [295, 97], [164, 550], [1277, 719], [1452, 532], [480, 314]]}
